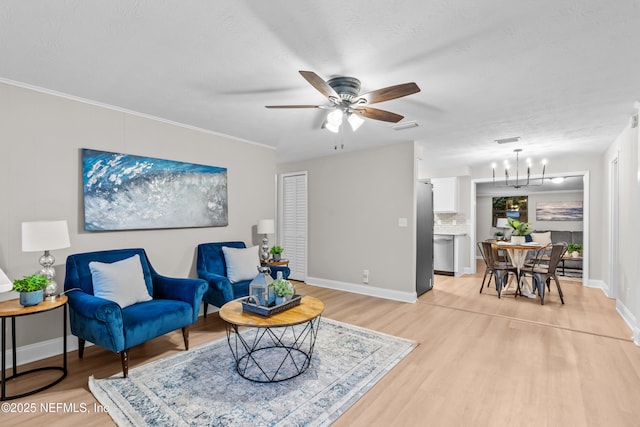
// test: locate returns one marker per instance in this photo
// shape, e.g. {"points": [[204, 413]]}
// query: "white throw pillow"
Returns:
{"points": [[542, 238], [121, 282], [242, 263]]}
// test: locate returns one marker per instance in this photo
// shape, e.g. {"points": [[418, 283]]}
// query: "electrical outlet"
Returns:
{"points": [[453, 222], [365, 276]]}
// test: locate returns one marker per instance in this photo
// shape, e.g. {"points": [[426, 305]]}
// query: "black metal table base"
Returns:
{"points": [[16, 374], [273, 354]]}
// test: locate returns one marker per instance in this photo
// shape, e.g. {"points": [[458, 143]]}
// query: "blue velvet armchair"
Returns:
{"points": [[174, 305], [211, 266]]}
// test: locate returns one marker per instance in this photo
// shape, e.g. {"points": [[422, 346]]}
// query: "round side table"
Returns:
{"points": [[10, 310]]}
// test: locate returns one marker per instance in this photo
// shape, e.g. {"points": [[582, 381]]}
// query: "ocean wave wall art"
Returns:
{"points": [[126, 192], [559, 211]]}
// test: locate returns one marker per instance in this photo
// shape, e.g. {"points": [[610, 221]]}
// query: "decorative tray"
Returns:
{"points": [[268, 311]]}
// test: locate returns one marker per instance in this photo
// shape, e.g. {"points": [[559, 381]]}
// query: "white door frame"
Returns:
{"points": [[614, 236], [585, 221]]}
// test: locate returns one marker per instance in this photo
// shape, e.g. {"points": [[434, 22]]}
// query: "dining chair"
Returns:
{"points": [[499, 269], [542, 274], [488, 270]]}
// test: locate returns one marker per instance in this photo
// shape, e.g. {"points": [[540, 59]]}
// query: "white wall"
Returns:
{"points": [[40, 138], [355, 201]]}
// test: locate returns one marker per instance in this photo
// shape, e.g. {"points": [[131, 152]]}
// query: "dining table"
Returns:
{"points": [[517, 253]]}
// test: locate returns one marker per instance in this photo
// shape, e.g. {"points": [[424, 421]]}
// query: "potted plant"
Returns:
{"points": [[31, 289], [520, 230], [276, 251], [499, 235], [283, 289], [574, 249]]}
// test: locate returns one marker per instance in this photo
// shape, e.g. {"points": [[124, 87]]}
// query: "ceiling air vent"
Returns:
{"points": [[508, 140], [404, 125]]}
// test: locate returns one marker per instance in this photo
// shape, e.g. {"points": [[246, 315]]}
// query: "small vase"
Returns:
{"points": [[575, 254], [280, 300], [276, 257], [28, 299], [518, 240]]}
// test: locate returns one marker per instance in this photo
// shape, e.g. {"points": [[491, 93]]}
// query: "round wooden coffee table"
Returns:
{"points": [[274, 348]]}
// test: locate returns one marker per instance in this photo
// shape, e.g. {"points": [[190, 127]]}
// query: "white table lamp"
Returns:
{"points": [[265, 226], [46, 236], [5, 284]]}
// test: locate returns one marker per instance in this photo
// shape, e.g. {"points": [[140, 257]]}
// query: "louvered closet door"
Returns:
{"points": [[294, 223]]}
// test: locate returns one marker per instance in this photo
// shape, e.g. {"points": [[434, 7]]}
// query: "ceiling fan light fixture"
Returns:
{"points": [[335, 117], [355, 121], [332, 127], [343, 94]]}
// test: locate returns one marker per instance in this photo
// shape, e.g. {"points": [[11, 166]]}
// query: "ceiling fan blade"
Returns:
{"points": [[294, 106], [377, 114], [388, 93], [320, 85]]}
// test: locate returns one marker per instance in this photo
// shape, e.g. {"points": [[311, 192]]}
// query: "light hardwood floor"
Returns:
{"points": [[481, 361]]}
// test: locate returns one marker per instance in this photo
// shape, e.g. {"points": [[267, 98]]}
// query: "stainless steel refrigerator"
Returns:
{"points": [[424, 235]]}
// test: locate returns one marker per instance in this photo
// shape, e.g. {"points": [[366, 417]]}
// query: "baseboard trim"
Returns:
{"points": [[355, 288], [599, 284], [622, 310], [42, 350], [630, 320], [53, 347]]}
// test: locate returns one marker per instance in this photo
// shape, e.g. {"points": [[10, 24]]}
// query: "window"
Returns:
{"points": [[515, 207]]}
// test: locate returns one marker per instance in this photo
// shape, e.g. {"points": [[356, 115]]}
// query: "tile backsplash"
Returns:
{"points": [[454, 223]]}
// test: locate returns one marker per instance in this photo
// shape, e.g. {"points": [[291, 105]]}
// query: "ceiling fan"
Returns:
{"points": [[345, 100]]}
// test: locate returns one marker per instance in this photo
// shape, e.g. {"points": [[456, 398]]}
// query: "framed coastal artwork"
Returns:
{"points": [[127, 192], [559, 211]]}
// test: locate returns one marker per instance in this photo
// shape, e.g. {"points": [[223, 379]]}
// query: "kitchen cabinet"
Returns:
{"points": [[445, 194]]}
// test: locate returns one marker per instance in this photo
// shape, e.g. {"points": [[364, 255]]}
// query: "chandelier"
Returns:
{"points": [[518, 182]]}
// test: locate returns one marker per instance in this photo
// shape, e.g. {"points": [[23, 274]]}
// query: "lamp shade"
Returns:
{"points": [[45, 236], [266, 226], [5, 284], [502, 223]]}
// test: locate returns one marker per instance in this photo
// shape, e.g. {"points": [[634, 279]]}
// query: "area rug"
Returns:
{"points": [[201, 387]]}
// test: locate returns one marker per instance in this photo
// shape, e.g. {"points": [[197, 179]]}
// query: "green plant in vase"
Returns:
{"points": [[574, 249], [276, 252], [31, 288], [520, 230], [283, 289]]}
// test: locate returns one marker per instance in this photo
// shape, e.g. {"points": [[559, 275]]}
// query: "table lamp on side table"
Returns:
{"points": [[265, 226], [46, 236]]}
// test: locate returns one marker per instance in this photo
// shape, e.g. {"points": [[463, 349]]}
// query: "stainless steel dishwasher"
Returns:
{"points": [[443, 247]]}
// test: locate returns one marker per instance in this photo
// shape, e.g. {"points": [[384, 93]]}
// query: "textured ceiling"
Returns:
{"points": [[561, 74]]}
